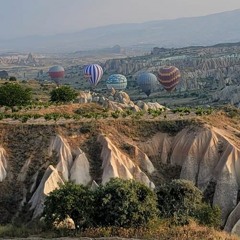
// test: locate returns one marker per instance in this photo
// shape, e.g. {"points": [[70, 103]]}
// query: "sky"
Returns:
{"points": [[19, 18]]}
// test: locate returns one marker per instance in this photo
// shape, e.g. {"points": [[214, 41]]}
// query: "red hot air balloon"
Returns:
{"points": [[56, 73], [169, 77]]}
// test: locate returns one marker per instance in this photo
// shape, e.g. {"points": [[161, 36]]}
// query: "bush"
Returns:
{"points": [[63, 94], [71, 200], [210, 216], [179, 200], [12, 78], [124, 203], [14, 94]]}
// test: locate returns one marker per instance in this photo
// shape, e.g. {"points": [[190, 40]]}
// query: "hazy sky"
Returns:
{"points": [[44, 17]]}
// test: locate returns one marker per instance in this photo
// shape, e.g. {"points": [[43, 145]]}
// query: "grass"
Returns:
{"points": [[160, 229]]}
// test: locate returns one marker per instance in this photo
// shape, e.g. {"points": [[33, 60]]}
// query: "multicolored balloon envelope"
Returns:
{"points": [[169, 77], [147, 82], [94, 73], [116, 81], [56, 73]]}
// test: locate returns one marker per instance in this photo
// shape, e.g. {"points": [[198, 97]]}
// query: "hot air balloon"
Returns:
{"points": [[169, 77], [94, 73], [56, 73], [116, 81], [147, 82]]}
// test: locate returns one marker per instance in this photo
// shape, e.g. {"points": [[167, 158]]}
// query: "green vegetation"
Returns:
{"points": [[128, 203], [63, 94], [126, 208], [14, 95], [124, 203], [70, 200], [12, 78], [180, 201]]}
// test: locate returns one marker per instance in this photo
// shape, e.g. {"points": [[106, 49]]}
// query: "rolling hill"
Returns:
{"points": [[204, 30]]}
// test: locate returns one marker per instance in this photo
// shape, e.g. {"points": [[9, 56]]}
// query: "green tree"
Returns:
{"points": [[75, 201], [124, 203], [12, 78], [179, 200], [63, 94], [12, 94]]}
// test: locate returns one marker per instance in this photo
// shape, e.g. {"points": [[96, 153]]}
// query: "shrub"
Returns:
{"points": [[178, 200], [14, 94], [124, 203], [71, 200], [63, 94], [207, 215], [12, 78]]}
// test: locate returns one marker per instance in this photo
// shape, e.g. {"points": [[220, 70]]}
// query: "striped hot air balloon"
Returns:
{"points": [[169, 77], [116, 81], [56, 73], [147, 82], [94, 73]]}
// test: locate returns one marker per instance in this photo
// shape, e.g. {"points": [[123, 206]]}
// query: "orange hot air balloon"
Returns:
{"points": [[169, 77]]}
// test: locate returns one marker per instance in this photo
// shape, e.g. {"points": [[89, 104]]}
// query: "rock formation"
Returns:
{"points": [[3, 164], [205, 155], [117, 164], [62, 148], [80, 169], [50, 181]]}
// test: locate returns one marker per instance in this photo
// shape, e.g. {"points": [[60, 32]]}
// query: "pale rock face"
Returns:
{"points": [[116, 164], [94, 185], [84, 97], [143, 160], [63, 150], [154, 106], [159, 146], [229, 93], [204, 154], [122, 97], [142, 105], [3, 164], [80, 169], [51, 180], [235, 229]]}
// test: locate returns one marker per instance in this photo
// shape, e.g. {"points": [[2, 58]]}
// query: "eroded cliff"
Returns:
{"points": [[36, 159]]}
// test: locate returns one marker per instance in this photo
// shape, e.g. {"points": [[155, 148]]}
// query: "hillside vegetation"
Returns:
{"points": [[44, 145]]}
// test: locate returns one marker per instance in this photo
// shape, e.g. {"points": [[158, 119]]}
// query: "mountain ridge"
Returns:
{"points": [[180, 32]]}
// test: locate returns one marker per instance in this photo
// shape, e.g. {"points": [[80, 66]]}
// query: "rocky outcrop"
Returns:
{"points": [[201, 68], [229, 94], [117, 164], [205, 155], [50, 181], [80, 170], [3, 164], [61, 147], [68, 168], [117, 101]]}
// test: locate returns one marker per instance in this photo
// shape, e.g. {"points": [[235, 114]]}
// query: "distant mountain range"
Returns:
{"points": [[204, 30]]}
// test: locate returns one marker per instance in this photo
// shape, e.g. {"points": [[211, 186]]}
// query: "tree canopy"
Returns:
{"points": [[13, 94], [71, 200], [125, 203], [63, 94]]}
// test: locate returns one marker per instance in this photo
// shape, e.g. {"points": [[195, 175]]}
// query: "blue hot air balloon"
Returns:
{"points": [[116, 81], [94, 73], [147, 82]]}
